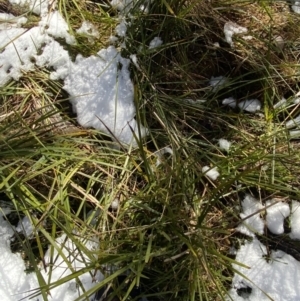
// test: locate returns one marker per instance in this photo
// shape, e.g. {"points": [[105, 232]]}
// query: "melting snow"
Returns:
{"points": [[295, 220], [102, 94], [212, 173], [231, 29], [251, 105], [224, 144], [252, 222], [156, 42], [276, 213]]}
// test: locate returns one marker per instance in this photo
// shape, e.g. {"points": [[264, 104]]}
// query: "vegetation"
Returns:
{"points": [[172, 228]]}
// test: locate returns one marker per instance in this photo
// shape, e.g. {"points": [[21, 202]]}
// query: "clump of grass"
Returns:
{"points": [[171, 231]]}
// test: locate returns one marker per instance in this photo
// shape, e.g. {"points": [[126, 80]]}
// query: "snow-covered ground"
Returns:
{"points": [[266, 274], [16, 284]]}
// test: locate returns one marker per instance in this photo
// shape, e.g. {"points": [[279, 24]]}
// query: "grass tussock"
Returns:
{"points": [[167, 228]]}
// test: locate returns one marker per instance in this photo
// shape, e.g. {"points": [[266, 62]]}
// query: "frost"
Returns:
{"points": [[212, 173]]}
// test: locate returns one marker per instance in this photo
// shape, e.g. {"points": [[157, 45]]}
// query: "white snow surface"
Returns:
{"points": [[88, 29], [9, 21], [121, 29], [16, 284], [217, 82], [100, 86], [230, 101], [251, 105], [102, 94], [252, 222], [55, 25], [25, 226], [156, 42], [276, 213], [212, 173], [279, 278], [39, 7], [295, 220], [230, 29], [296, 7], [24, 49], [224, 144], [293, 122]]}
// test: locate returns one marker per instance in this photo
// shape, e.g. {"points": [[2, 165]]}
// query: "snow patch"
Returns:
{"points": [[231, 29], [251, 105], [276, 213], [212, 173], [277, 278], [252, 222], [102, 94], [231, 102], [224, 144], [88, 28], [295, 221], [217, 82], [156, 42]]}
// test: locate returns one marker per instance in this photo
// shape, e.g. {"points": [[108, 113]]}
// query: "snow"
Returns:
{"points": [[25, 226], [217, 82], [252, 222], [251, 105], [212, 173], [156, 42], [39, 7], [293, 122], [277, 278], [87, 28], [54, 25], [160, 153], [280, 104], [121, 29], [224, 144], [231, 102], [295, 220], [296, 6], [9, 20], [102, 94], [16, 284], [231, 29], [134, 60], [100, 87], [294, 134], [252, 279], [276, 213]]}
